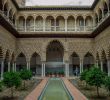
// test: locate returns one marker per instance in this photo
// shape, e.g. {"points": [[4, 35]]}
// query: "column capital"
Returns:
{"points": [[108, 58], [66, 61], [81, 59], [43, 62], [44, 18], [1, 59], [34, 16]]}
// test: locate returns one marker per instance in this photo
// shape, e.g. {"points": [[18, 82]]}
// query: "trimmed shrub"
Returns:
{"points": [[11, 80], [25, 75]]}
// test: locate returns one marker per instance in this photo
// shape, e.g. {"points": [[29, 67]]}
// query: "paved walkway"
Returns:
{"points": [[37, 91], [77, 95]]}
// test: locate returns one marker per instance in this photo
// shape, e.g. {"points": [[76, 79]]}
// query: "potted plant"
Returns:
{"points": [[62, 73], [55, 74], [50, 74]]}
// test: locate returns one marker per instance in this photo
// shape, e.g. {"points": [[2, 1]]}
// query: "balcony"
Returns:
{"points": [[54, 29], [64, 28], [3, 14]]}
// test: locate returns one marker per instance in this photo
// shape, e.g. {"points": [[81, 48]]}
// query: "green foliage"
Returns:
{"points": [[25, 74], [107, 83], [1, 86], [95, 77], [61, 72], [83, 75], [11, 79]]}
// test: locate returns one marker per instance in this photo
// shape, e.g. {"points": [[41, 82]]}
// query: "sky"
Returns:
{"points": [[58, 2]]}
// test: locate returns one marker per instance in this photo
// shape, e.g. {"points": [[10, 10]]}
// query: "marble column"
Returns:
{"points": [[44, 20], [36, 69], [42, 69], [8, 66], [101, 63], [66, 25], [102, 14], [81, 66], [34, 24], [8, 14], [15, 66], [93, 22], [108, 65], [27, 66], [67, 69], [84, 24], [97, 65], [75, 25], [25, 25], [2, 69], [55, 25]]}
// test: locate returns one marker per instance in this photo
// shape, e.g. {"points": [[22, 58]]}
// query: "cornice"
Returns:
{"points": [[56, 7]]}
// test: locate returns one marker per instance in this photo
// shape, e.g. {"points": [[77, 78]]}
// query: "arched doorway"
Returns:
{"points": [[88, 61], [105, 8], [100, 15], [35, 64], [104, 62], [54, 58], [80, 23], [20, 62], [1, 60], [97, 59], [6, 61], [12, 61], [74, 68], [50, 23]]}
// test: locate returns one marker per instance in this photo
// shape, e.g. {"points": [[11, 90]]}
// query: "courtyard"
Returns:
{"points": [[54, 50]]}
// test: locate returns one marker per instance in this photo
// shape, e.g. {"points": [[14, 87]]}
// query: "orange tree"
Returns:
{"points": [[11, 80], [95, 77], [25, 75]]}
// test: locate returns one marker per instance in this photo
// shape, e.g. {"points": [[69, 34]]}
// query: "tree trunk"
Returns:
{"points": [[12, 92], [109, 92], [24, 85], [98, 91]]}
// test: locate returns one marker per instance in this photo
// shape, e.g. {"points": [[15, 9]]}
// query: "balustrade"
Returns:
{"points": [[64, 28]]}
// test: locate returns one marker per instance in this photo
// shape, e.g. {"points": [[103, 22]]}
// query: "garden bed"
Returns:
{"points": [[19, 94], [90, 91]]}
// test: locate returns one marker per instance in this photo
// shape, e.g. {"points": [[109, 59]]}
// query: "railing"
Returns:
{"points": [[61, 29], [89, 28], [71, 29], [21, 28], [38, 29], [103, 19], [30, 28], [80, 28], [4, 14], [53, 28]]}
